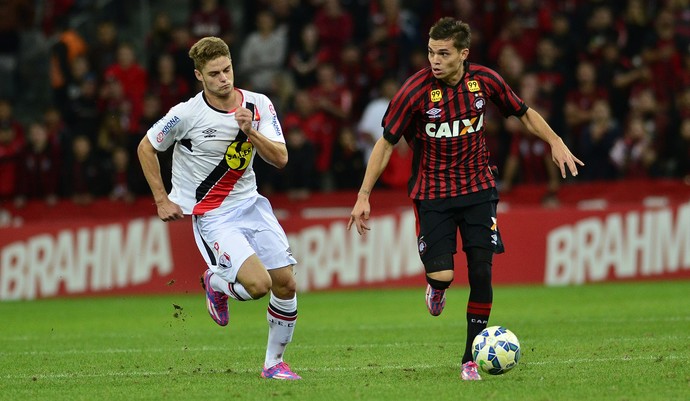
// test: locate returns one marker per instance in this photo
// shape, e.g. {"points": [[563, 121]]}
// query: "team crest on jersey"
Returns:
{"points": [[239, 154], [473, 86], [436, 95], [479, 103]]}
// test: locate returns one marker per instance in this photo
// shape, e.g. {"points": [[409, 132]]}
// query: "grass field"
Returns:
{"points": [[611, 341]]}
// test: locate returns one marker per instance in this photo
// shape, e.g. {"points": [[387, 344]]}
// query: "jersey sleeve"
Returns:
{"points": [[503, 96], [168, 129], [398, 116], [269, 125]]}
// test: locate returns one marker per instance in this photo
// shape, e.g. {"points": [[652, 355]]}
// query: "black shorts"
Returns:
{"points": [[438, 225]]}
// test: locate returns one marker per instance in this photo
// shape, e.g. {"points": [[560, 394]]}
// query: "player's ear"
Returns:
{"points": [[198, 75]]}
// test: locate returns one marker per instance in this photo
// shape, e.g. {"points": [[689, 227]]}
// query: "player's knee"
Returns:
{"points": [[258, 288], [439, 271], [285, 291]]}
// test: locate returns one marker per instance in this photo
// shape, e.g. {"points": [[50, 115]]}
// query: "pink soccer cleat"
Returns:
{"points": [[216, 301], [435, 300], [469, 371], [280, 371]]}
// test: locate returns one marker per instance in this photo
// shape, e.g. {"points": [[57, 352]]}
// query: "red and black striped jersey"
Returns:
{"points": [[444, 125]]}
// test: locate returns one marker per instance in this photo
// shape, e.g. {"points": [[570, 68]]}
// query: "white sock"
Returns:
{"points": [[234, 290], [281, 316]]}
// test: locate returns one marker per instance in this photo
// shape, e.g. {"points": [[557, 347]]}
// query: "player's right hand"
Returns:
{"points": [[169, 211]]}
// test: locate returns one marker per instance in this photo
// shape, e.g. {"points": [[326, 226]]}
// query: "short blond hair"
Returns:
{"points": [[207, 49]]}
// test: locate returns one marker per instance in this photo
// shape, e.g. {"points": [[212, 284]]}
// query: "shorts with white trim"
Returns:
{"points": [[227, 240]]}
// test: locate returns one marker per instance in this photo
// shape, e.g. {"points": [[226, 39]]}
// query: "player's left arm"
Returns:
{"points": [[273, 152], [560, 154]]}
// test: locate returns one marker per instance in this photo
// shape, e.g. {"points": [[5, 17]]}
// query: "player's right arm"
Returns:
{"points": [[380, 156], [148, 157]]}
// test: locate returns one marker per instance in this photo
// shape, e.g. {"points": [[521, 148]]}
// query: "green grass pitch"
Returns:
{"points": [[625, 341]]}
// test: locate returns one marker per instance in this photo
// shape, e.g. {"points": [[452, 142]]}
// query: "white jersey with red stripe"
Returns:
{"points": [[212, 160]]}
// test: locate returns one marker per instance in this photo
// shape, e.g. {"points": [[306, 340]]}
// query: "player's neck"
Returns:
{"points": [[229, 102]]}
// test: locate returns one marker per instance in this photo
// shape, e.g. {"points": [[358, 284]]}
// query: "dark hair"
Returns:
{"points": [[450, 28]]}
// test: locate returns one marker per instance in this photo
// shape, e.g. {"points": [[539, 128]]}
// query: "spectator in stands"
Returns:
{"points": [[103, 51], [11, 144], [167, 85], [655, 117], [69, 46], [579, 101], [633, 154], [335, 27], [317, 127], [635, 24], [348, 160], [211, 18], [38, 167], [597, 141], [16, 16], [661, 52], [178, 48], [600, 29], [618, 75], [331, 96], [513, 34], [529, 158], [263, 54], [369, 129], [121, 176], [298, 175], [158, 39], [133, 80], [82, 179], [392, 34], [83, 113], [565, 40], [552, 79], [354, 75], [59, 134], [305, 57], [681, 154]]}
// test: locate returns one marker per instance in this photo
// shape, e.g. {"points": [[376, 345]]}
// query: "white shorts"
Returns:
{"points": [[227, 240]]}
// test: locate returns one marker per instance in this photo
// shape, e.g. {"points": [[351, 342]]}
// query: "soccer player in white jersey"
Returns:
{"points": [[216, 135]]}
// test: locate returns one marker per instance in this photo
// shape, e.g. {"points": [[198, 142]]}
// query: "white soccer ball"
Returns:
{"points": [[496, 350]]}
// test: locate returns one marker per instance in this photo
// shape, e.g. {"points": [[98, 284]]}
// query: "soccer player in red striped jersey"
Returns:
{"points": [[216, 136], [439, 111]]}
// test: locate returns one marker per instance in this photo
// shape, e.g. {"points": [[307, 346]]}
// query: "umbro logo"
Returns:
{"points": [[434, 113], [209, 133]]}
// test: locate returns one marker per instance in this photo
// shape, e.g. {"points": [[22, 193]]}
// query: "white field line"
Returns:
{"points": [[367, 367]]}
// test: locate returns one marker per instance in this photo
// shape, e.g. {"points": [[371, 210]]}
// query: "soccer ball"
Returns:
{"points": [[496, 350]]}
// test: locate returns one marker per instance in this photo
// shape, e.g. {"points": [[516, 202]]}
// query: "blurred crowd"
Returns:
{"points": [[611, 78]]}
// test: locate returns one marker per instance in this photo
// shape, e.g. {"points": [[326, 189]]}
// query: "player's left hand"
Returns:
{"points": [[561, 155], [359, 216]]}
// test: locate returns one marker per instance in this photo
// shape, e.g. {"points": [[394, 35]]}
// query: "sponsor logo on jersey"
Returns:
{"points": [[209, 133], [167, 127], [436, 95], [238, 155], [455, 128], [276, 126], [434, 113], [473, 86]]}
